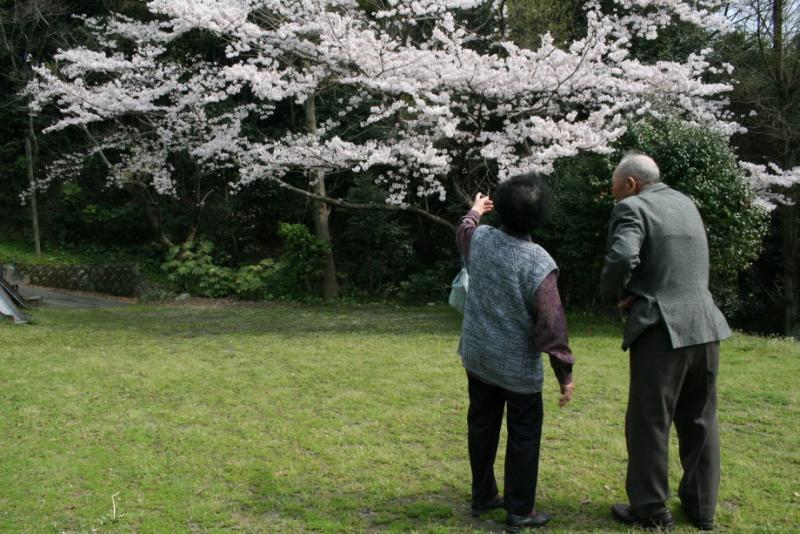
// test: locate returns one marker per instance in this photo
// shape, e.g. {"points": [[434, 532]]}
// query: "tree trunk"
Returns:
{"points": [[791, 278], [30, 151], [790, 275], [777, 46], [321, 211]]}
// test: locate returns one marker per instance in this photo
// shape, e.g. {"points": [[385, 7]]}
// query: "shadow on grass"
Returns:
{"points": [[325, 510], [595, 516], [448, 508]]}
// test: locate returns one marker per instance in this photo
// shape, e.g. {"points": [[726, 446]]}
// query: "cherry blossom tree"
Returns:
{"points": [[427, 96]]}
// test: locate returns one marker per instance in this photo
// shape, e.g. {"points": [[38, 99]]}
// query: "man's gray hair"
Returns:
{"points": [[639, 166]]}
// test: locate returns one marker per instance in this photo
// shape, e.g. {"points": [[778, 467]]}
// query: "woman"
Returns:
{"points": [[513, 313]]}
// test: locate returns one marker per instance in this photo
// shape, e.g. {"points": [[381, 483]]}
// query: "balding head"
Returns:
{"points": [[634, 173], [640, 167]]}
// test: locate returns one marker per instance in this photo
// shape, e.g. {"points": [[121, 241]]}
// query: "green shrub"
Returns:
{"points": [[693, 160], [575, 233], [428, 285], [298, 272], [191, 268], [296, 275], [701, 164], [97, 216], [252, 282], [374, 249]]}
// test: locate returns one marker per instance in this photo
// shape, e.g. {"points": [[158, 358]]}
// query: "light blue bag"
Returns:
{"points": [[458, 291]]}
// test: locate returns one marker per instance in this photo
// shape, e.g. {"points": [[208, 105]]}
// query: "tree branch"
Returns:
{"points": [[359, 206]]}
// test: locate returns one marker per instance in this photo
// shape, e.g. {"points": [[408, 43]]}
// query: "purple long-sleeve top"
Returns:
{"points": [[550, 326]]}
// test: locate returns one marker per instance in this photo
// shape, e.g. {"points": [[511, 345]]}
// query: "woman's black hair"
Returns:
{"points": [[522, 202]]}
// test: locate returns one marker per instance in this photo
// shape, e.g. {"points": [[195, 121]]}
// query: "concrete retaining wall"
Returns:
{"points": [[121, 280]]}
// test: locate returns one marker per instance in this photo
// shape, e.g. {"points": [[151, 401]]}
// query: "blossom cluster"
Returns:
{"points": [[417, 87], [770, 182]]}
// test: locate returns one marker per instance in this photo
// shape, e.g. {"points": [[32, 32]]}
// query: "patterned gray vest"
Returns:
{"points": [[497, 334]]}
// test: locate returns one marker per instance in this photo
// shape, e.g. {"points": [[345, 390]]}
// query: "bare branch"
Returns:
{"points": [[361, 206]]}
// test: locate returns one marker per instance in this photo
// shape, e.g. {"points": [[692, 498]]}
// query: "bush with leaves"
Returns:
{"points": [[296, 275], [428, 285], [252, 282], [191, 268], [575, 231], [693, 160], [298, 272], [701, 164], [374, 249]]}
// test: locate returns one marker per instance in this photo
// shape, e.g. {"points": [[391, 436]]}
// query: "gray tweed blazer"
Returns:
{"points": [[658, 251]]}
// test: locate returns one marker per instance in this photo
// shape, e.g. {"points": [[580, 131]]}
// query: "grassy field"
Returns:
{"points": [[16, 252], [290, 418], [20, 252]]}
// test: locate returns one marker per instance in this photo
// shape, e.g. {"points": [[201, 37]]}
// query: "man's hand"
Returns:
{"points": [[482, 204], [566, 393]]}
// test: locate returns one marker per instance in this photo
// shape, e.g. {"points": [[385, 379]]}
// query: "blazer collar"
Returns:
{"points": [[658, 186]]}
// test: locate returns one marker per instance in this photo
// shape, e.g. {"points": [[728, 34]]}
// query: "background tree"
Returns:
{"points": [[30, 31], [766, 52]]}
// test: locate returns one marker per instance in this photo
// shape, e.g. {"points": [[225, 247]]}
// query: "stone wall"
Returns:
{"points": [[122, 280]]}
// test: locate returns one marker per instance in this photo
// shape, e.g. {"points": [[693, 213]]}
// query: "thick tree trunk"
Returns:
{"points": [[321, 211], [790, 275], [791, 278], [31, 148]]}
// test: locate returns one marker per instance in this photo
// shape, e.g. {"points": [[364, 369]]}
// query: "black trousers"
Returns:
{"points": [[524, 422], [672, 385]]}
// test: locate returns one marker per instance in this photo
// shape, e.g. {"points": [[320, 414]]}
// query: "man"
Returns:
{"points": [[657, 265]]}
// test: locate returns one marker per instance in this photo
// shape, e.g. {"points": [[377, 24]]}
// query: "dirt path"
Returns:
{"points": [[62, 298]]}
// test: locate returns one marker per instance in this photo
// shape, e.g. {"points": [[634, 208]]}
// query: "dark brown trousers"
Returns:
{"points": [[672, 385]]}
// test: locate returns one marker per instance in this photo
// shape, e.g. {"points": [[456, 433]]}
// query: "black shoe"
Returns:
{"points": [[515, 523], [662, 520], [701, 524], [482, 507]]}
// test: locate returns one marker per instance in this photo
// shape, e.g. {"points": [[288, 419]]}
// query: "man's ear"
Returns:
{"points": [[633, 185]]}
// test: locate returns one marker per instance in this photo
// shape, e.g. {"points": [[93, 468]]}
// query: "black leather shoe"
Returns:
{"points": [[701, 524], [482, 507], [662, 520], [515, 523]]}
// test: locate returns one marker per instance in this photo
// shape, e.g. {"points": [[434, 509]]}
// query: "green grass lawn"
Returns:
{"points": [[289, 418], [18, 251]]}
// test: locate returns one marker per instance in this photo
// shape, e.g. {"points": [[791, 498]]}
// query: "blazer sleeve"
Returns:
{"points": [[625, 237]]}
